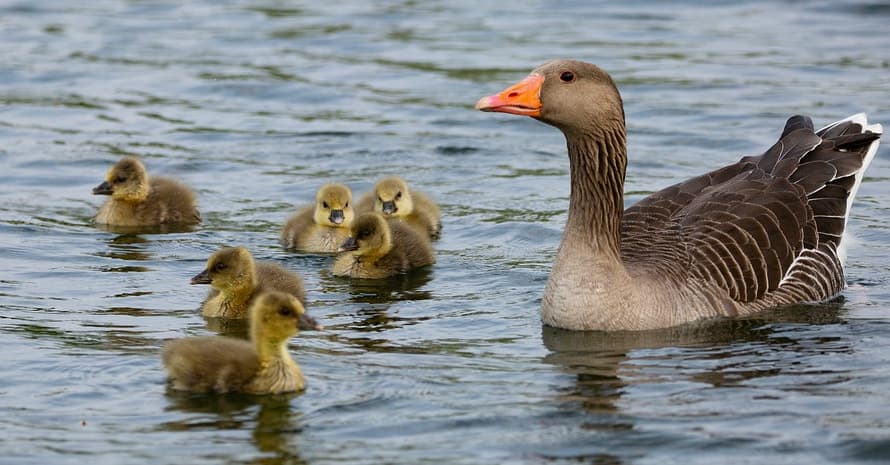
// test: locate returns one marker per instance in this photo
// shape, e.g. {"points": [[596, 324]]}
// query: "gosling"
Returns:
{"points": [[377, 248], [236, 279], [225, 364], [393, 199], [140, 200], [321, 227]]}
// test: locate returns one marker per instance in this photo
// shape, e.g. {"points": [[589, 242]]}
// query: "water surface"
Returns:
{"points": [[256, 103]]}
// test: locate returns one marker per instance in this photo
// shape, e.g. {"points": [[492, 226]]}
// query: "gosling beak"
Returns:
{"points": [[348, 244], [522, 98], [202, 278], [336, 217], [389, 207], [308, 323], [102, 189]]}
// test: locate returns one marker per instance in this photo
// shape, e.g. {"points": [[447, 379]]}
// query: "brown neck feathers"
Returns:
{"points": [[598, 160]]}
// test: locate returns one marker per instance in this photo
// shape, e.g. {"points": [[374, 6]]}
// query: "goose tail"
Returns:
{"points": [[846, 129]]}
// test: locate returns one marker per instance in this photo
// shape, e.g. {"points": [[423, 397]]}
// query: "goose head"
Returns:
{"points": [[574, 96], [369, 236], [332, 206], [275, 317], [392, 197], [228, 269], [127, 181]]}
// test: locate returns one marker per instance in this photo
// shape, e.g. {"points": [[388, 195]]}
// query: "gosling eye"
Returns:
{"points": [[398, 195], [219, 266], [567, 76], [325, 205], [285, 311], [364, 233], [120, 179], [346, 205]]}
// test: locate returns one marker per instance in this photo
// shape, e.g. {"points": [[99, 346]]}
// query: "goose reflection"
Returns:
{"points": [[231, 327], [275, 425], [371, 313], [406, 286], [604, 365], [128, 248], [606, 368], [376, 297], [150, 229]]}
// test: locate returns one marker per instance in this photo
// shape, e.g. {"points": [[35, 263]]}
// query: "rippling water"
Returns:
{"points": [[256, 103]]}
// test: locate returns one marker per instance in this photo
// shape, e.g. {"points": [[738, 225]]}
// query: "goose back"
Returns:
{"points": [[761, 232]]}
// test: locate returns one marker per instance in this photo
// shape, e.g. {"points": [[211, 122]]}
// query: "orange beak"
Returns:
{"points": [[522, 98]]}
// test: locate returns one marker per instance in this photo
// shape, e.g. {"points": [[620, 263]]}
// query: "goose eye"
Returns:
{"points": [[219, 266], [398, 195], [324, 204], [285, 311], [567, 76]]}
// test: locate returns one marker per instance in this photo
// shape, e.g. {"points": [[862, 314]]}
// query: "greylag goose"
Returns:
{"points": [[324, 226], [140, 200], [225, 364], [235, 279], [763, 232], [377, 248], [392, 198]]}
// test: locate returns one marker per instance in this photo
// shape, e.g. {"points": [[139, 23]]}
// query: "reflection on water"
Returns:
{"points": [[127, 247], [275, 425], [628, 382], [256, 103], [132, 231], [228, 326], [401, 287], [603, 362]]}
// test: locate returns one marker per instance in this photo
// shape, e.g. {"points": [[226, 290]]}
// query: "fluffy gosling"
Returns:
{"points": [[377, 248], [321, 227], [140, 200], [236, 279], [392, 198], [261, 366]]}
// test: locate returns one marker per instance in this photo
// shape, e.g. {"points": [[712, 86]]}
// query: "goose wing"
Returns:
{"points": [[767, 221]]}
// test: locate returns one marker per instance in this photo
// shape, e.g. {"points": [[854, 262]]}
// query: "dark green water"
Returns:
{"points": [[257, 103]]}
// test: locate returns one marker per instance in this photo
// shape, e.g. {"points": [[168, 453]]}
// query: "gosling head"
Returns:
{"points": [[276, 317], [392, 197], [369, 236], [332, 206], [228, 268], [127, 181]]}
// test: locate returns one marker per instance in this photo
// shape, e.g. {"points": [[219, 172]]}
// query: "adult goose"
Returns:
{"points": [[763, 232]]}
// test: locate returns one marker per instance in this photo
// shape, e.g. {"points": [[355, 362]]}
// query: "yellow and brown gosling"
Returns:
{"points": [[140, 200], [392, 198], [225, 364], [236, 279], [377, 248], [324, 226]]}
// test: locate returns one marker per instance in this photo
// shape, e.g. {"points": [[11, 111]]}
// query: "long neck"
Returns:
{"points": [[598, 160]]}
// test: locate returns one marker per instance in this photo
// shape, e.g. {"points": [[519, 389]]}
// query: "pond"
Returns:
{"points": [[256, 103]]}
